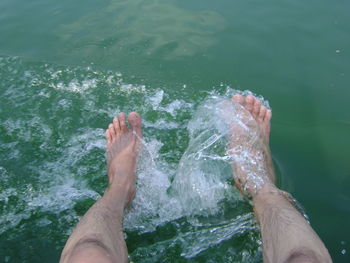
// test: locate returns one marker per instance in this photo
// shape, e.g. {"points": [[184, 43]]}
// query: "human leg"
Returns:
{"points": [[286, 235], [99, 236]]}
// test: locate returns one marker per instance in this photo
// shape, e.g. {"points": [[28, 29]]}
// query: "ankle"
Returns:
{"points": [[118, 195], [266, 191], [269, 194]]}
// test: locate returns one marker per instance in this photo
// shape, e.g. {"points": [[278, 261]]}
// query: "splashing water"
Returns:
{"points": [[53, 167], [198, 188]]}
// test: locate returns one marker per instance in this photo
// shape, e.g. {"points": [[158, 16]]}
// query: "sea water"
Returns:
{"points": [[53, 165], [68, 67]]}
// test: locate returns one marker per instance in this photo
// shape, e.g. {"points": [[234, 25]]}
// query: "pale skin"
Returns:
{"points": [[286, 235], [99, 236]]}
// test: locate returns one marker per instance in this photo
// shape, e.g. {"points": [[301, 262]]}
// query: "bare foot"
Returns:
{"points": [[249, 145], [122, 150]]}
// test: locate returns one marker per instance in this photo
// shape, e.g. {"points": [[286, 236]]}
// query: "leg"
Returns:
{"points": [[98, 236], [286, 235]]}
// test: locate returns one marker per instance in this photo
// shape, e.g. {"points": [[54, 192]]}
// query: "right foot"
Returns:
{"points": [[249, 145], [122, 151]]}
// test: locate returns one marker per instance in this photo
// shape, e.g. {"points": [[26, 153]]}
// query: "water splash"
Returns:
{"points": [[53, 168], [198, 188]]}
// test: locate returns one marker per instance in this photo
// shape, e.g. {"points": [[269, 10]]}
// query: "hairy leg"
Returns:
{"points": [[286, 235], [99, 236]]}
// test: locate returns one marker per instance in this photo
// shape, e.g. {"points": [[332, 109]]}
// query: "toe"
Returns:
{"points": [[267, 124], [122, 122], [262, 113], [135, 122], [249, 103], [268, 116], [111, 131], [116, 125], [237, 98], [256, 108], [108, 136]]}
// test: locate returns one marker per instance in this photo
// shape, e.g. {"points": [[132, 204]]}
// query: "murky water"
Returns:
{"points": [[67, 68]]}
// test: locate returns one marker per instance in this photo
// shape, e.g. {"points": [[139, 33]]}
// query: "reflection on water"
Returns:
{"points": [[145, 27]]}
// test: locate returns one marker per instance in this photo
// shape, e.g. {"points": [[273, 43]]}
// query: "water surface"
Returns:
{"points": [[66, 68]]}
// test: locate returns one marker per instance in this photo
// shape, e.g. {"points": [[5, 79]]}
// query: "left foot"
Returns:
{"points": [[122, 151]]}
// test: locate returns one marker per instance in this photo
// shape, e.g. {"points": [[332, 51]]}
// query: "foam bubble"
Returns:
{"points": [[53, 150], [203, 178], [162, 124]]}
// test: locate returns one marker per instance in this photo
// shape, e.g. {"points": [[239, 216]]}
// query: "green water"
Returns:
{"points": [[67, 67]]}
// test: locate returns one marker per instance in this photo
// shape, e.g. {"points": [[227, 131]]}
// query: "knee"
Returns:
{"points": [[88, 250], [302, 256]]}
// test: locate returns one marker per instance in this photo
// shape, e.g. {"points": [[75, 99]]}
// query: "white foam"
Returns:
{"points": [[202, 179], [175, 106], [200, 239], [156, 101], [195, 242], [162, 124], [27, 129], [76, 86], [71, 155]]}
